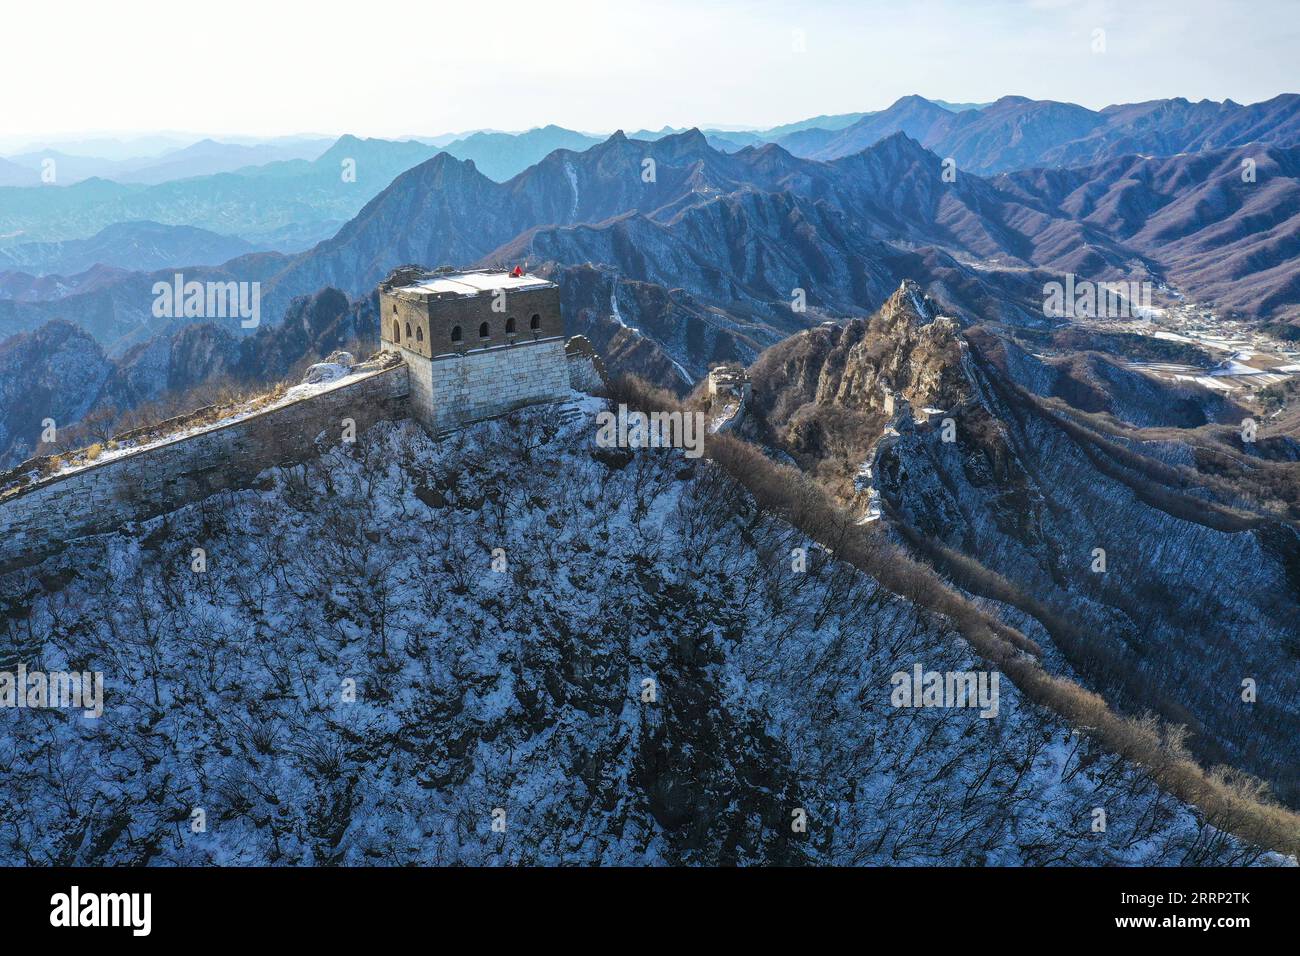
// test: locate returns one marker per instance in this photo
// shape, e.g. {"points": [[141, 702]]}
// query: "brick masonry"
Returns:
{"points": [[102, 497], [451, 391], [586, 370], [475, 355], [425, 326]]}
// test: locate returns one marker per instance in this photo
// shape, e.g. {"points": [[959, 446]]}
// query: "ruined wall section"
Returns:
{"points": [[586, 369]]}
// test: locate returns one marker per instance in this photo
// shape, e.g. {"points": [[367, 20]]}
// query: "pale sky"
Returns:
{"points": [[389, 68]]}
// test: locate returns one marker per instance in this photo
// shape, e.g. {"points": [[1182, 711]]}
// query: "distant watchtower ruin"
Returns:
{"points": [[477, 344]]}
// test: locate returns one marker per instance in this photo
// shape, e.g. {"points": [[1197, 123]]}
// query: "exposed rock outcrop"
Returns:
{"points": [[1162, 563]]}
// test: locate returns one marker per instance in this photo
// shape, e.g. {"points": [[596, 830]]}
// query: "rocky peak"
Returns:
{"points": [[910, 304], [838, 387], [905, 348]]}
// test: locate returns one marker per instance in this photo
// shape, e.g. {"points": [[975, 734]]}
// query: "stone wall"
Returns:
{"points": [[449, 392], [432, 320], [405, 324], [586, 370], [102, 496], [444, 393]]}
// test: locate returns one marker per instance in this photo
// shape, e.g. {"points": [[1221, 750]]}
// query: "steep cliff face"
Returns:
{"points": [[182, 360], [59, 373], [1158, 550], [356, 679], [906, 347]]}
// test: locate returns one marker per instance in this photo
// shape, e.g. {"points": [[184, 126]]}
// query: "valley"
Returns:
{"points": [[1241, 359]]}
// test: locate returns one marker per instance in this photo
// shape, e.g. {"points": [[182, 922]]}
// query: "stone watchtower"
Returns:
{"points": [[477, 344]]}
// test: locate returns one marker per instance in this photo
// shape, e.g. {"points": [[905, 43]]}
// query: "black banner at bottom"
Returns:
{"points": [[217, 905]]}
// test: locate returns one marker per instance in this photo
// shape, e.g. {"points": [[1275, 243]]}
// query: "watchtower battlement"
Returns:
{"points": [[444, 314], [478, 343]]}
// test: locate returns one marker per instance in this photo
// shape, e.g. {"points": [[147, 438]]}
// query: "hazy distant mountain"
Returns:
{"points": [[445, 211], [67, 168], [502, 155], [25, 287], [1019, 133], [958, 107], [208, 157], [142, 246], [11, 174], [738, 232], [104, 147], [837, 121], [727, 141], [113, 305], [445, 138], [286, 205], [368, 157], [702, 227], [272, 200], [203, 158], [913, 115]]}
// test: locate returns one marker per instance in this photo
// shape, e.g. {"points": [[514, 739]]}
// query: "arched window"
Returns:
{"points": [[535, 322], [394, 308], [397, 331], [408, 330], [455, 333], [419, 334], [510, 324], [483, 332]]}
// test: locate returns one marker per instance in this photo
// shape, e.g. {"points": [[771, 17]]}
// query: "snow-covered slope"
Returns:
{"points": [[510, 685], [1164, 561]]}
